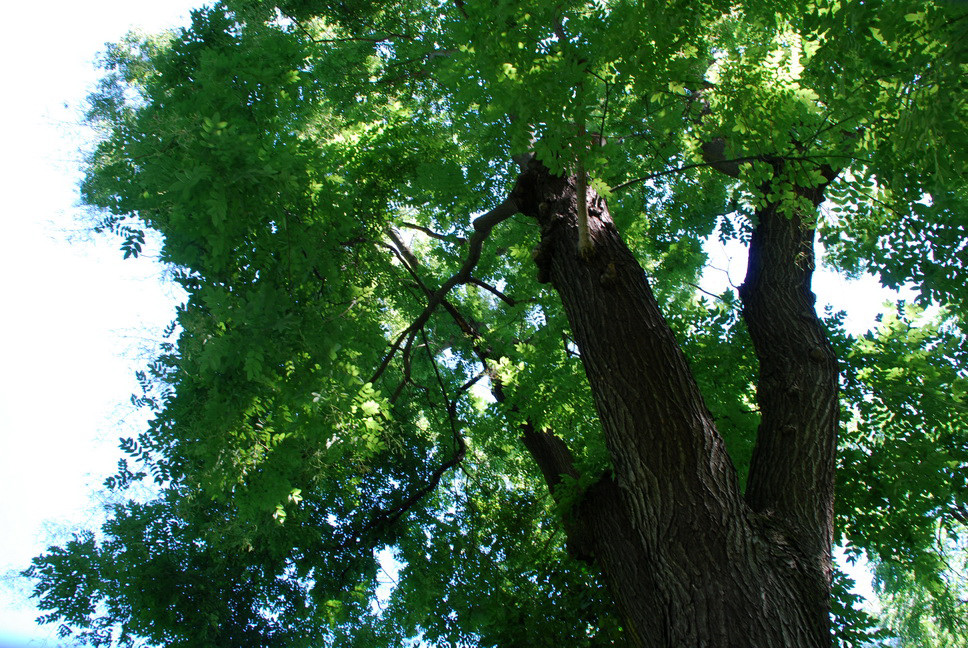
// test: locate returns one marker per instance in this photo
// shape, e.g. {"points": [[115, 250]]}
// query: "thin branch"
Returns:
{"points": [[551, 454], [348, 39], [363, 39], [470, 383], [385, 519], [697, 165], [410, 262], [437, 53], [405, 256], [285, 221], [747, 158], [407, 363], [601, 129], [353, 303], [433, 234], [566, 341], [559, 29], [510, 301], [451, 405]]}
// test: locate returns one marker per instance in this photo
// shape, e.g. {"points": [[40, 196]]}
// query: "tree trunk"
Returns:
{"points": [[689, 560]]}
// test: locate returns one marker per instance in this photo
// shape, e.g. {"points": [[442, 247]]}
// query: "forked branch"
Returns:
{"points": [[482, 229]]}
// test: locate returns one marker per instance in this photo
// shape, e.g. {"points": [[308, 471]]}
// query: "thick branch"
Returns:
{"points": [[660, 434], [792, 469]]}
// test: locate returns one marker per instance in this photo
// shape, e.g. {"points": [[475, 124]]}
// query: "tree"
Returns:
{"points": [[442, 259]]}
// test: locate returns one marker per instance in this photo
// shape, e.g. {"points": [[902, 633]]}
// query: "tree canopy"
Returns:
{"points": [[395, 355]]}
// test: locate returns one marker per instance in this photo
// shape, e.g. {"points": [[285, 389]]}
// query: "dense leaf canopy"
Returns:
{"points": [[321, 405]]}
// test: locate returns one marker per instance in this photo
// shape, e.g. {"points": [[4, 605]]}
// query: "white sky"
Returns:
{"points": [[76, 319]]}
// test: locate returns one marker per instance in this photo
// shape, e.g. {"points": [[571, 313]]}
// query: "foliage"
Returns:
{"points": [[907, 382], [313, 168], [928, 610]]}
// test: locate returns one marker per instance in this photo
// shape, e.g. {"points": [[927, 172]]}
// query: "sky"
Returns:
{"points": [[78, 321]]}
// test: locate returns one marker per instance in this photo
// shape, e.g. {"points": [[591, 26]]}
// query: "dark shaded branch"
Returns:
{"points": [[384, 519], [482, 229], [550, 453]]}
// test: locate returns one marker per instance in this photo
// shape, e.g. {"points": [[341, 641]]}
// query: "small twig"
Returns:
{"points": [[353, 303], [703, 290]]}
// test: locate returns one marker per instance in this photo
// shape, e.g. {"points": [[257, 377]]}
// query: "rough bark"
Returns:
{"points": [[791, 474], [689, 560]]}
